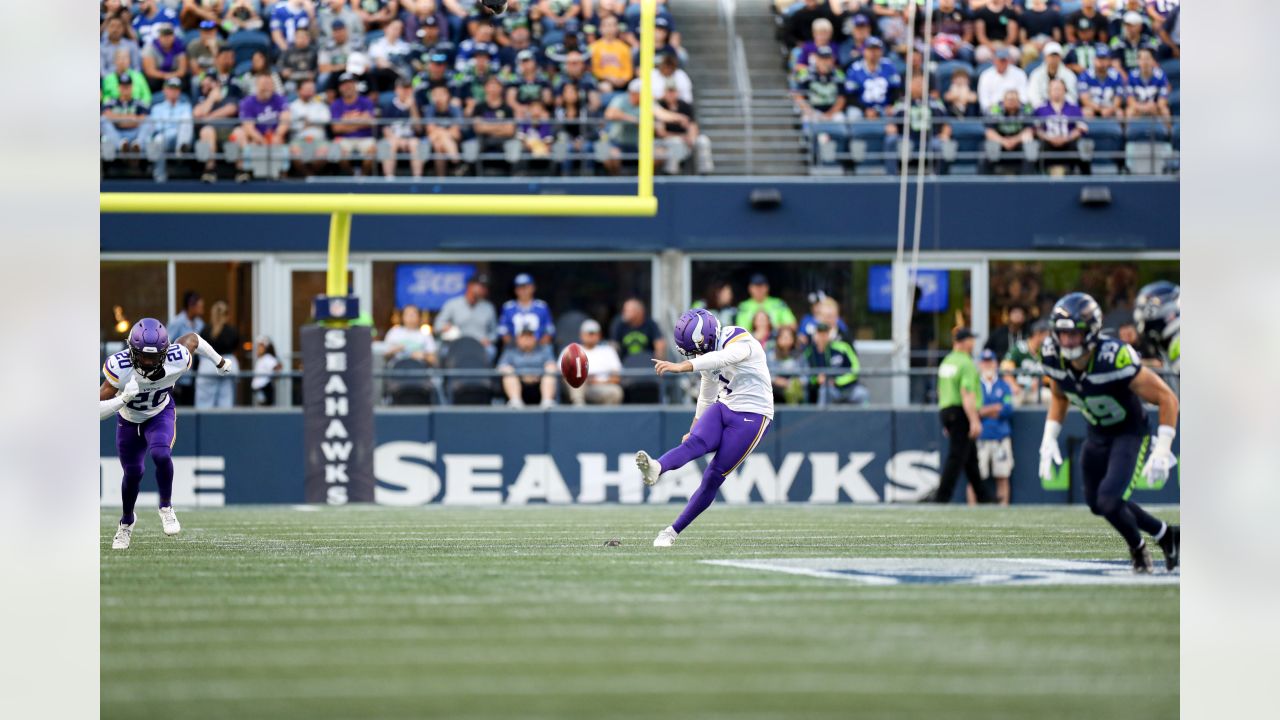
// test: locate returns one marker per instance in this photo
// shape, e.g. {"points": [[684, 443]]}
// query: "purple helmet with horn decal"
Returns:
{"points": [[696, 331], [148, 345]]}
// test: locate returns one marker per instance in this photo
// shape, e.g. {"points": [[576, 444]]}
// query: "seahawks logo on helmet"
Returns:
{"points": [[1158, 311], [1077, 313]]}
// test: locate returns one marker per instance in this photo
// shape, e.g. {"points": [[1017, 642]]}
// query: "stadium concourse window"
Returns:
{"points": [[129, 291], [721, 284], [584, 288], [1036, 285]]}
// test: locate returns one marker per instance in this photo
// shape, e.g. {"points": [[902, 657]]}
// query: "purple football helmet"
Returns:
{"points": [[148, 345], [696, 332]]}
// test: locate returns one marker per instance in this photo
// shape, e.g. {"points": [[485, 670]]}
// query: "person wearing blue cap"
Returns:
{"points": [[995, 448], [331, 12], [872, 84], [1102, 87], [202, 51], [525, 312]]}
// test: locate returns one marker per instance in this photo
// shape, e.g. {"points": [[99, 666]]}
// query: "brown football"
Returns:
{"points": [[573, 364]]}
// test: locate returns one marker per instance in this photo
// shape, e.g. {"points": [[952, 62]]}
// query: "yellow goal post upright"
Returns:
{"points": [[341, 206]]}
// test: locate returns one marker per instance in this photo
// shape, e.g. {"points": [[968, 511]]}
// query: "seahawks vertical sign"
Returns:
{"points": [[337, 398]]}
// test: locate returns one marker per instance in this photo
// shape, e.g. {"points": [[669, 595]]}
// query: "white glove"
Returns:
{"points": [[1050, 455], [1161, 460], [130, 389], [223, 367]]}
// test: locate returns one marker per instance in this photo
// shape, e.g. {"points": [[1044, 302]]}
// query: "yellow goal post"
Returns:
{"points": [[341, 206]]}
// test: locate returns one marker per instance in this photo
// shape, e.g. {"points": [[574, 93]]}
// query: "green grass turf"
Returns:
{"points": [[475, 613]]}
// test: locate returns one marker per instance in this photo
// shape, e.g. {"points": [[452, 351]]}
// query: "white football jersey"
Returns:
{"points": [[152, 396], [736, 373]]}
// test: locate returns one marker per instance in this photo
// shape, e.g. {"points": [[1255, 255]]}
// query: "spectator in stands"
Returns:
{"points": [[536, 132], [265, 368], [190, 319], [1127, 45], [995, 449], [375, 14], [264, 123], [493, 121], [758, 288], [1039, 23], [1021, 365], [664, 41], [995, 26], [111, 81], [332, 11], [528, 372], [786, 367], [470, 315], [216, 109], [952, 32], [719, 300], [668, 71], [242, 15], [577, 99], [444, 123], [1003, 75], [300, 61], [557, 15], [515, 41], [1051, 69], [287, 18], [1148, 88], [115, 42], [481, 40], [202, 51], [194, 12], [1010, 333], [148, 18], [821, 308], [916, 115], [469, 84], [623, 132], [164, 57], [872, 84], [260, 65], [338, 48], [800, 24], [633, 332], [1169, 30], [761, 328], [1008, 133], [436, 75], [214, 390], [604, 370], [412, 338], [401, 131], [960, 99], [168, 129], [833, 370], [528, 86], [525, 312], [822, 34], [390, 55], [891, 19], [353, 119], [820, 93], [1080, 55], [1087, 18], [677, 129], [611, 57], [1120, 10], [310, 114], [1102, 88], [424, 38], [122, 118]]}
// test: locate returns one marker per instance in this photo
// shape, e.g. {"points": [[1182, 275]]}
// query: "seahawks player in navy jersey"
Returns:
{"points": [[1158, 316], [1106, 381]]}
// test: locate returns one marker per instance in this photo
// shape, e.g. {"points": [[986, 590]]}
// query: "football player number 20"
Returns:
{"points": [[148, 400], [1099, 409]]}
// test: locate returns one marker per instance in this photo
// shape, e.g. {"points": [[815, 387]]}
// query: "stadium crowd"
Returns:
{"points": [[265, 88], [1019, 85]]}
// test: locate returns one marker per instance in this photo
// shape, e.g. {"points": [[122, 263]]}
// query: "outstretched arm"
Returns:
{"points": [[198, 346], [110, 400]]}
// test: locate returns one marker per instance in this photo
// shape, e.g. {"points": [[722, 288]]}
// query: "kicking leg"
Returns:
{"points": [[703, 438]]}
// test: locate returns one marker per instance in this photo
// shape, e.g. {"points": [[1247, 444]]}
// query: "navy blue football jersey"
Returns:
{"points": [[1101, 391]]}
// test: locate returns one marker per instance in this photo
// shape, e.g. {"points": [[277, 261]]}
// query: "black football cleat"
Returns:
{"points": [[1141, 559], [1169, 544]]}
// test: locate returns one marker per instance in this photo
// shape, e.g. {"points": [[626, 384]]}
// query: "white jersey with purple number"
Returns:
{"points": [[736, 373], [153, 395]]}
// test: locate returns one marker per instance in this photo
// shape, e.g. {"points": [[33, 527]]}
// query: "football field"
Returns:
{"points": [[812, 612]]}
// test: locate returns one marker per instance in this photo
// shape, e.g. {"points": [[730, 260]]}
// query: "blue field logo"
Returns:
{"points": [[958, 571]]}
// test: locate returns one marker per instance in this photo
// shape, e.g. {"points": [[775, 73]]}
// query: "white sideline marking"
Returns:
{"points": [[959, 571]]}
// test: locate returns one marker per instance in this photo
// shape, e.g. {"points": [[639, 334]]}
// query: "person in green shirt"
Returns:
{"points": [[836, 366], [779, 314], [1021, 365], [959, 392], [111, 81]]}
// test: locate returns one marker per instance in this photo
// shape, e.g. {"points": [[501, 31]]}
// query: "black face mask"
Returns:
{"points": [[153, 373]]}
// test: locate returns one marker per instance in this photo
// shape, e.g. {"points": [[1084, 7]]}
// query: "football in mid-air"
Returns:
{"points": [[494, 7], [573, 364]]}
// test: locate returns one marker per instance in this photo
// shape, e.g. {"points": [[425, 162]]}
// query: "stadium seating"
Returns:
{"points": [[467, 354]]}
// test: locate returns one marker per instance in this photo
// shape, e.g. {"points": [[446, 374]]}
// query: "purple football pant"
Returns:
{"points": [[731, 436], [134, 441]]}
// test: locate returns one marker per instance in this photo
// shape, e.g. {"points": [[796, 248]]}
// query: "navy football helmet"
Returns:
{"points": [[1158, 311], [1075, 314]]}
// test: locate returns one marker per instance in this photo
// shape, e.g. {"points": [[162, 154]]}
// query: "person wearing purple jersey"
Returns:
{"points": [[1102, 87], [164, 57], [1059, 127], [264, 122], [137, 387], [1148, 88], [353, 118], [735, 408]]}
